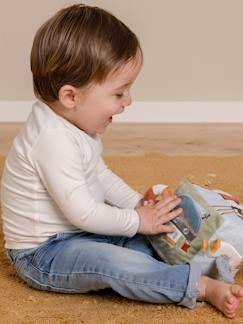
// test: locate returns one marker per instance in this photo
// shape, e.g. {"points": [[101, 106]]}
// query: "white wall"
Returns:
{"points": [[193, 48], [150, 111]]}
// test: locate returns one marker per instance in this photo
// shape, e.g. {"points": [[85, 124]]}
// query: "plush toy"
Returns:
{"points": [[209, 231]]}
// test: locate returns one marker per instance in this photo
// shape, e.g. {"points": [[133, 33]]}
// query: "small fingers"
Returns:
{"points": [[165, 218], [166, 229], [168, 204], [173, 214], [165, 214]]}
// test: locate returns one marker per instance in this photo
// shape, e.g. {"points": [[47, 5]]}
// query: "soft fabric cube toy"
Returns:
{"points": [[209, 231]]}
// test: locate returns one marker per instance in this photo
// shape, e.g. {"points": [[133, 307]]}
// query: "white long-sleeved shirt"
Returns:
{"points": [[55, 180]]}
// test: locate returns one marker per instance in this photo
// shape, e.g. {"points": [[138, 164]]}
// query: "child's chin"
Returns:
{"points": [[102, 130]]}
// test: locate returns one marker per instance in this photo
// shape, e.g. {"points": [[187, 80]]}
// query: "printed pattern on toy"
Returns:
{"points": [[187, 225]]}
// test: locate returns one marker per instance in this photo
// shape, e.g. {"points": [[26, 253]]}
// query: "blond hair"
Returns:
{"points": [[77, 46]]}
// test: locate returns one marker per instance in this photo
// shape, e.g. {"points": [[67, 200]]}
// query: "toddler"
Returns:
{"points": [[70, 224]]}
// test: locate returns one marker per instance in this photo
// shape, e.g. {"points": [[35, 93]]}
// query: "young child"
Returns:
{"points": [[70, 224]]}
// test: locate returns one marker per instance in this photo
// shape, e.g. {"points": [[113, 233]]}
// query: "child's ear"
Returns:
{"points": [[68, 96]]}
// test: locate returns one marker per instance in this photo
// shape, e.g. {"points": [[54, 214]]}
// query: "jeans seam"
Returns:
{"points": [[109, 276]]}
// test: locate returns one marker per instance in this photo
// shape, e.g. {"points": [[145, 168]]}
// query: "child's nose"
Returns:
{"points": [[127, 101]]}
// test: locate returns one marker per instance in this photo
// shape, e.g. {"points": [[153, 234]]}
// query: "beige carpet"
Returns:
{"points": [[20, 304]]}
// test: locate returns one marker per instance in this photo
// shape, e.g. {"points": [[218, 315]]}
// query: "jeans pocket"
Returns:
{"points": [[45, 253], [20, 262]]}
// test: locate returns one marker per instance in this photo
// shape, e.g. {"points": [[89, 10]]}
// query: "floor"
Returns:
{"points": [[19, 304], [170, 139]]}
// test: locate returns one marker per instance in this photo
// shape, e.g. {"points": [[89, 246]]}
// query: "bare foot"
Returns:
{"points": [[222, 295]]}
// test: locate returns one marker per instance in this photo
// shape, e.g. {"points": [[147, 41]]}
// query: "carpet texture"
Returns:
{"points": [[20, 304]]}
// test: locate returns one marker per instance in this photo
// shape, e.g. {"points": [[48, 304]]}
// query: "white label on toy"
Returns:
{"points": [[173, 237]]}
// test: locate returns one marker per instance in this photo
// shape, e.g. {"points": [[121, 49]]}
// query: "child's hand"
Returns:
{"points": [[153, 218], [143, 202]]}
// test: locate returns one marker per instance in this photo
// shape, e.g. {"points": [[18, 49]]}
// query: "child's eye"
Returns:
{"points": [[119, 95]]}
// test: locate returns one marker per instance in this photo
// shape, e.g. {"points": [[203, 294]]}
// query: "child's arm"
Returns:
{"points": [[117, 191], [60, 163], [62, 170]]}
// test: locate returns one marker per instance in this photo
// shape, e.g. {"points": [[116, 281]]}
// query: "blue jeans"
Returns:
{"points": [[81, 262]]}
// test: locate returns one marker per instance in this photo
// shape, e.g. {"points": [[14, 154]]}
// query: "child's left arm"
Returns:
{"points": [[117, 191]]}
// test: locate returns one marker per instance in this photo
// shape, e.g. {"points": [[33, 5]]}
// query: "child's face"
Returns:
{"points": [[99, 103]]}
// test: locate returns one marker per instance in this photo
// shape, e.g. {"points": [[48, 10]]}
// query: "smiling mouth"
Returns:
{"points": [[109, 121]]}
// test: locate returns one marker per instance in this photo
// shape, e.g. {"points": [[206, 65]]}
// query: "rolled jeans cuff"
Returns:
{"points": [[193, 287]]}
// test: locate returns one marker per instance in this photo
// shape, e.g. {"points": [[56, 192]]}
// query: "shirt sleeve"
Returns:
{"points": [[117, 191], [59, 161]]}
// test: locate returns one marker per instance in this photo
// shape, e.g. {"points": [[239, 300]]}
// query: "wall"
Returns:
{"points": [[193, 48]]}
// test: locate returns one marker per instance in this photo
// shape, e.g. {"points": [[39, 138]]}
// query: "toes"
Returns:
{"points": [[230, 299], [236, 290], [231, 314], [231, 309]]}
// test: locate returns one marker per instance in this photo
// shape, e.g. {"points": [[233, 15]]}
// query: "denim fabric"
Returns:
{"points": [[81, 262]]}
